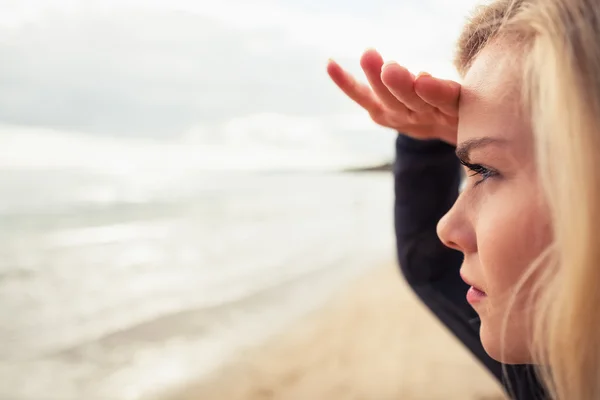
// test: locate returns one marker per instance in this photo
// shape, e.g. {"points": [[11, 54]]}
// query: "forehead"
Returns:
{"points": [[490, 103]]}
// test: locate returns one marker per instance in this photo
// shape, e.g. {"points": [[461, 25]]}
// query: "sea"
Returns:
{"points": [[120, 286]]}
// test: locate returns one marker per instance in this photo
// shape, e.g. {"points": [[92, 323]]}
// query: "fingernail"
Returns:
{"points": [[422, 73], [387, 63]]}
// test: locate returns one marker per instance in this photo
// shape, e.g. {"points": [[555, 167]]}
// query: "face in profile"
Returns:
{"points": [[499, 222]]}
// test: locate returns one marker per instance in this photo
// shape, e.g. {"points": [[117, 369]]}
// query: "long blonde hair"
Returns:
{"points": [[558, 42]]}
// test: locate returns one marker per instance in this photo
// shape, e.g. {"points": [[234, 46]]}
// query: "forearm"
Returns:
{"points": [[427, 176]]}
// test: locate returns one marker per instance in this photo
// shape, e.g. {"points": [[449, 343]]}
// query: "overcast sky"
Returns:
{"points": [[227, 74]]}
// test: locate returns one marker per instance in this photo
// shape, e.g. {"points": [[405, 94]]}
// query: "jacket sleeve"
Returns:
{"points": [[427, 176]]}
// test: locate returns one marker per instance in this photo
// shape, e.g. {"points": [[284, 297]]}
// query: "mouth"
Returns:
{"points": [[474, 294]]}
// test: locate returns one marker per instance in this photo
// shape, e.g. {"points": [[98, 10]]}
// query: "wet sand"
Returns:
{"points": [[372, 341]]}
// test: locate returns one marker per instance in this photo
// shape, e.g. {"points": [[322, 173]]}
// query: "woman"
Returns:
{"points": [[522, 233]]}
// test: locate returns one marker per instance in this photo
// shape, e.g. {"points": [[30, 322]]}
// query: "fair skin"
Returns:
{"points": [[423, 107], [499, 221]]}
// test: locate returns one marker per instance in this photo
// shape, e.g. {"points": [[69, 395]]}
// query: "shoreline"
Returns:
{"points": [[372, 340]]}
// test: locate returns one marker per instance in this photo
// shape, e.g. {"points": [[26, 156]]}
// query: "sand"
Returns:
{"points": [[374, 341]]}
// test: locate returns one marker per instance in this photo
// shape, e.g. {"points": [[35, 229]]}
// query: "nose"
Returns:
{"points": [[456, 231]]}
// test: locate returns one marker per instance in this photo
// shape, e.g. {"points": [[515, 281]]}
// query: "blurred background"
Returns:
{"points": [[179, 179]]}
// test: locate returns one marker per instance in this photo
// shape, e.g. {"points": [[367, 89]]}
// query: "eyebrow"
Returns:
{"points": [[464, 149]]}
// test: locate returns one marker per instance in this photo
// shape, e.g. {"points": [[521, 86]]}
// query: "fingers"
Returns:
{"points": [[396, 98], [400, 82], [440, 93], [360, 93], [371, 63]]}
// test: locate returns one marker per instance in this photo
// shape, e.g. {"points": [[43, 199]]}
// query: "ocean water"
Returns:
{"points": [[121, 286]]}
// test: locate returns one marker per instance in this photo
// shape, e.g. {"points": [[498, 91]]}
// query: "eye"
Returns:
{"points": [[479, 170]]}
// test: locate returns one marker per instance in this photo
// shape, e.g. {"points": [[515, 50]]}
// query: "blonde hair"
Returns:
{"points": [[559, 44]]}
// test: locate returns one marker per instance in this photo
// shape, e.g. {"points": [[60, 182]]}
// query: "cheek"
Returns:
{"points": [[512, 231]]}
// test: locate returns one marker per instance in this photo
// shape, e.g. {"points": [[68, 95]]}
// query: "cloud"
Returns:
{"points": [[151, 74], [225, 73], [42, 148], [351, 133]]}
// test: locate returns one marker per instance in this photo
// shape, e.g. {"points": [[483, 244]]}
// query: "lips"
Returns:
{"points": [[474, 294]]}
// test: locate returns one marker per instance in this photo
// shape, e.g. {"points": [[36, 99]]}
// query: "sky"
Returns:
{"points": [[210, 85]]}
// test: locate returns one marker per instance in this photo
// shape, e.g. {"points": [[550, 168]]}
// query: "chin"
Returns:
{"points": [[513, 351]]}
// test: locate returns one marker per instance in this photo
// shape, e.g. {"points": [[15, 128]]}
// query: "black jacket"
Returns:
{"points": [[427, 177]]}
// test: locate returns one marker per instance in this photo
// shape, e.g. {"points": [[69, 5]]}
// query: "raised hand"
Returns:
{"points": [[422, 107]]}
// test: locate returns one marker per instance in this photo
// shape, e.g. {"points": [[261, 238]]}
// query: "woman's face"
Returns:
{"points": [[499, 222]]}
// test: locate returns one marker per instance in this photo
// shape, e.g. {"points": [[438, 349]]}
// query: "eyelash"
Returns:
{"points": [[478, 169]]}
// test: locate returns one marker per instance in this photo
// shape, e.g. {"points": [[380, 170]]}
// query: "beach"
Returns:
{"points": [[141, 282], [373, 340]]}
